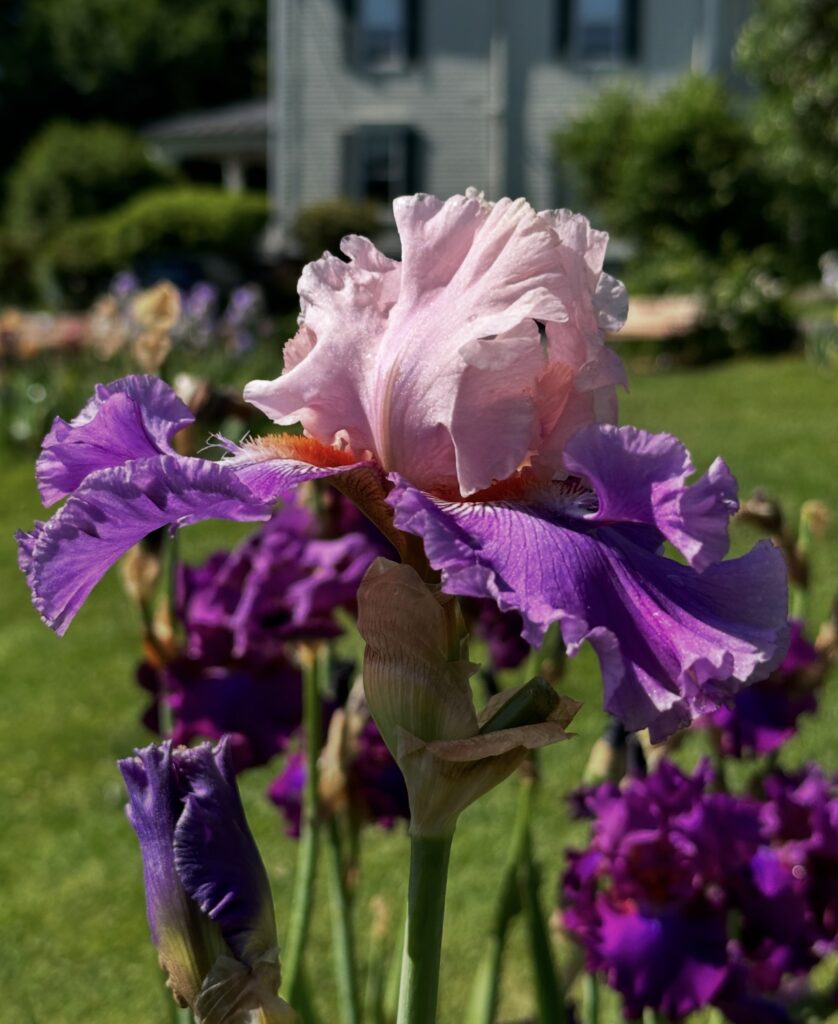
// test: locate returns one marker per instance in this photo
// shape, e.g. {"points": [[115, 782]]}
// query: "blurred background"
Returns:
{"points": [[219, 145]]}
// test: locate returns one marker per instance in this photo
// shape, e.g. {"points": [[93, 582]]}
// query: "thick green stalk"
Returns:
{"points": [[303, 897], [484, 993], [429, 856], [342, 938]]}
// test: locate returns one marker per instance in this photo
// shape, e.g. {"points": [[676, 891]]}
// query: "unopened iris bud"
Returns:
{"points": [[207, 893], [418, 691]]}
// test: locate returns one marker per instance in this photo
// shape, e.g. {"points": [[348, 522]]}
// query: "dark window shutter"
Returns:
{"points": [[413, 170], [351, 177], [349, 10], [633, 15], [413, 28], [563, 26]]}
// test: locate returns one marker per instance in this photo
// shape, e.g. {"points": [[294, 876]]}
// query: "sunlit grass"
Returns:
{"points": [[75, 946]]}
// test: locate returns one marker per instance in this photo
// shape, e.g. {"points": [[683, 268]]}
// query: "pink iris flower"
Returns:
{"points": [[465, 396]]}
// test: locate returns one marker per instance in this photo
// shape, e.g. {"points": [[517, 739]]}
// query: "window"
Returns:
{"points": [[599, 31], [382, 33], [381, 162]]}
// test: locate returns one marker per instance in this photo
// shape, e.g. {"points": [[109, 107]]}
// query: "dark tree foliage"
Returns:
{"points": [[789, 48], [123, 60]]}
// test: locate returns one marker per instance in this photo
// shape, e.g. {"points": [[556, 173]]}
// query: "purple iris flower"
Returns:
{"points": [[465, 397], [124, 284], [683, 899], [372, 785], [238, 611], [286, 792], [764, 716], [800, 817], [207, 893]]}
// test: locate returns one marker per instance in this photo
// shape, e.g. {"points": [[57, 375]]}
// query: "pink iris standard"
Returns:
{"points": [[469, 388]]}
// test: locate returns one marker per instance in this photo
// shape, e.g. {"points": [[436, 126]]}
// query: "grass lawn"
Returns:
{"points": [[75, 943]]}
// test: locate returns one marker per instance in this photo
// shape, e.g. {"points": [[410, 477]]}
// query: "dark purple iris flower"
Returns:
{"points": [[207, 892], [764, 716], [238, 611], [800, 817], [686, 897], [372, 785]]}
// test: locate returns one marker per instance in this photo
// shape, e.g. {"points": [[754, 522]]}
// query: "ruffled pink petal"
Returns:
{"points": [[441, 366], [131, 418], [672, 642], [642, 478], [595, 302]]}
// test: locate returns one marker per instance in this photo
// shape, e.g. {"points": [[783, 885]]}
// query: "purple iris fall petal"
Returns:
{"points": [[111, 511], [673, 643], [131, 418], [675, 964], [641, 478]]}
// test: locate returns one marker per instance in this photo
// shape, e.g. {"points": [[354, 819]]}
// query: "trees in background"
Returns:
{"points": [[788, 48], [123, 61], [682, 178]]}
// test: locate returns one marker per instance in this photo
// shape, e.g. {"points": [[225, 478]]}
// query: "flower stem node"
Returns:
{"points": [[418, 692]]}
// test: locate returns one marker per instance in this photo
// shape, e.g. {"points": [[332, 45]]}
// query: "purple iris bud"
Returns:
{"points": [[207, 893], [765, 715]]}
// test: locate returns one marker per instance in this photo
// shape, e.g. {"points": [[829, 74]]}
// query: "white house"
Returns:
{"points": [[376, 98]]}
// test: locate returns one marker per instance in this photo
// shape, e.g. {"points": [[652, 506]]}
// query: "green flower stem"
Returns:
{"points": [[429, 856], [549, 994], [798, 595], [590, 999], [373, 1009], [303, 897], [390, 1000], [484, 994], [344, 947]]}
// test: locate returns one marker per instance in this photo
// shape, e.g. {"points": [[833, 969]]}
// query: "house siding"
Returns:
{"points": [[485, 95]]}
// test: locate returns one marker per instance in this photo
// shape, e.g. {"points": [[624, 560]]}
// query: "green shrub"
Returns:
{"points": [[69, 171], [168, 221], [679, 166], [320, 227]]}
